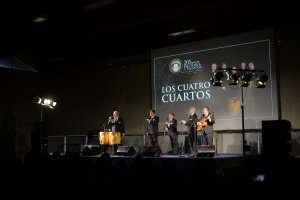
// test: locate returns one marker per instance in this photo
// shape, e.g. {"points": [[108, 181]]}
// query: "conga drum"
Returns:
{"points": [[104, 138], [114, 138]]}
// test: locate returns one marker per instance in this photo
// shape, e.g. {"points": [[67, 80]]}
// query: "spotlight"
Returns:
{"points": [[261, 81], [37, 100], [234, 78], [53, 104], [245, 80], [45, 102], [216, 80]]}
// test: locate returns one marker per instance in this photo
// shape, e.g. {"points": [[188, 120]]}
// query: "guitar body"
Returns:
{"points": [[203, 124]]}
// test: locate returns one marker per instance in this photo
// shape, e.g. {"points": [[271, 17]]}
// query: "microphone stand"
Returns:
{"points": [[195, 138], [182, 145], [104, 127], [102, 145]]}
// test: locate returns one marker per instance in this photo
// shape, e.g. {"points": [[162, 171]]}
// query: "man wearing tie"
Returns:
{"points": [[171, 125], [192, 126], [117, 125], [153, 127]]}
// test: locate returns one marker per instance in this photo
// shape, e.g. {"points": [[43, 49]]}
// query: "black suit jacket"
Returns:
{"points": [[190, 123], [153, 125], [117, 126], [172, 127]]}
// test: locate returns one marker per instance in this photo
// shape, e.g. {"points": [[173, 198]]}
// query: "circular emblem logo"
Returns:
{"points": [[175, 66]]}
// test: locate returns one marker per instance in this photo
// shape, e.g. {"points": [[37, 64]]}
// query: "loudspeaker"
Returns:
{"points": [[126, 151], [151, 151], [205, 151], [276, 138], [89, 150]]}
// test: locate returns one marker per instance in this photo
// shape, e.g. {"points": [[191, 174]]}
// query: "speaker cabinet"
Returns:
{"points": [[276, 138], [126, 151], [151, 151], [206, 151], [90, 150]]}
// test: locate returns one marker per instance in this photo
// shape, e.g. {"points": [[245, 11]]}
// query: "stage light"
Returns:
{"points": [[45, 102], [261, 81], [216, 80], [234, 78], [242, 78], [37, 100], [245, 80]]}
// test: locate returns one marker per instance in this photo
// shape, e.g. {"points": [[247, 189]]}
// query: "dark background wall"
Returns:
{"points": [[88, 94], [288, 55], [86, 98], [17, 90]]}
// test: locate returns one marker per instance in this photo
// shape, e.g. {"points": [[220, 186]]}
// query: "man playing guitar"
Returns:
{"points": [[205, 127]]}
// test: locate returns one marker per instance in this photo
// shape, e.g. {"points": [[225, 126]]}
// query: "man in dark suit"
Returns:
{"points": [[206, 120], [116, 124], [153, 127], [191, 125], [171, 125]]}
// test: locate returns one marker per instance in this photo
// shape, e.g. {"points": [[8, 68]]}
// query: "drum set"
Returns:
{"points": [[108, 139]]}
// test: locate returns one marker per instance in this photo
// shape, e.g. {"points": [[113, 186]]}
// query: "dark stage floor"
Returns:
{"points": [[137, 176]]}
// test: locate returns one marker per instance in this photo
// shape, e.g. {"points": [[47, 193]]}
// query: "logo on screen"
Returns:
{"points": [[175, 66], [191, 66]]}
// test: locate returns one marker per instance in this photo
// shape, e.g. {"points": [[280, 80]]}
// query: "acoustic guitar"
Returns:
{"points": [[203, 123]]}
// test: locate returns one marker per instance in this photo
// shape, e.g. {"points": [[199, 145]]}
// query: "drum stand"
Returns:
{"points": [[102, 146]]}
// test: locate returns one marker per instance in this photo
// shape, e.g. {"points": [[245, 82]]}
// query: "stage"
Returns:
{"points": [[164, 176], [181, 166]]}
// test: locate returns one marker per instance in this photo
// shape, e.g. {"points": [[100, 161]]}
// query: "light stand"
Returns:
{"points": [[243, 122], [241, 85], [43, 139], [44, 148]]}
